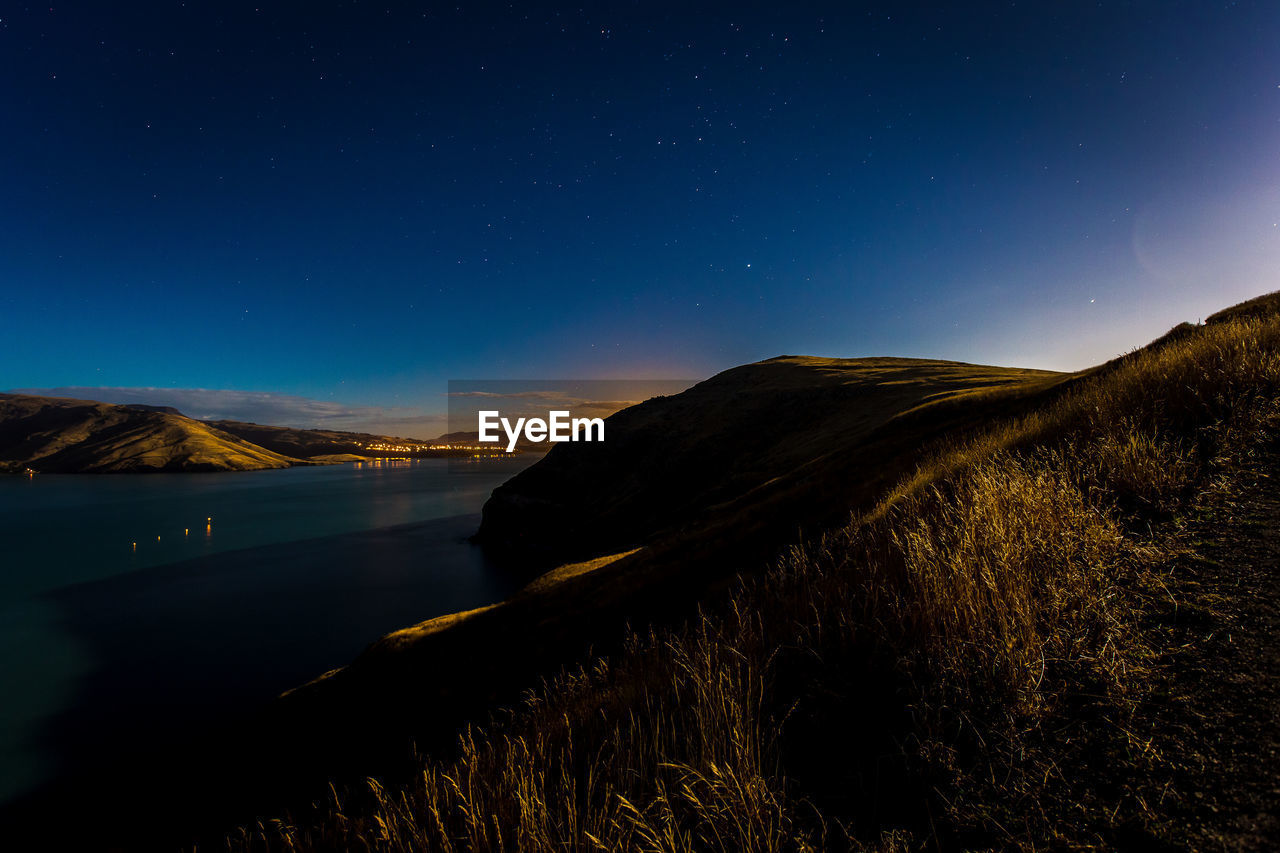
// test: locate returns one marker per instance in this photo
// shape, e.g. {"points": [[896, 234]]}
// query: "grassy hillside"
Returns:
{"points": [[871, 417], [1023, 639], [53, 434], [63, 435], [749, 430]]}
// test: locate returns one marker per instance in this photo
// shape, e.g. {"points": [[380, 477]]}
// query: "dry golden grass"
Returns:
{"points": [[665, 750], [572, 570], [55, 434], [1001, 590]]}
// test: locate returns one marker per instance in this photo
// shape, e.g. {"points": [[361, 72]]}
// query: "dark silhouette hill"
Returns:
{"points": [[686, 492], [1029, 610], [738, 438]]}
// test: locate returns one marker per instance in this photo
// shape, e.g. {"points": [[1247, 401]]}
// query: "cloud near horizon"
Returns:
{"points": [[265, 407]]}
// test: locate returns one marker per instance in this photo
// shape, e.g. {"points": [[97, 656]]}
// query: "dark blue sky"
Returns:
{"points": [[357, 202]]}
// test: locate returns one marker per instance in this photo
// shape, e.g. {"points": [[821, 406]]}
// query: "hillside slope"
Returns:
{"points": [[829, 439], [1056, 632], [752, 429], [54, 434], [309, 443]]}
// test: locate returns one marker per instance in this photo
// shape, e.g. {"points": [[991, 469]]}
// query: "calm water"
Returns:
{"points": [[129, 603]]}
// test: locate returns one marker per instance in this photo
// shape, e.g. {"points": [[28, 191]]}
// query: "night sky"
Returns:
{"points": [[354, 203]]}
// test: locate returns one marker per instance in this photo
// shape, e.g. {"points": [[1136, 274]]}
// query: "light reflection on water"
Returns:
{"points": [[58, 532], [62, 529]]}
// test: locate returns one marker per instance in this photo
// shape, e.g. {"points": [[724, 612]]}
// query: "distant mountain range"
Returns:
{"points": [[64, 435]]}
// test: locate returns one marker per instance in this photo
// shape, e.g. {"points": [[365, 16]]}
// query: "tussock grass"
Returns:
{"points": [[999, 598], [666, 749]]}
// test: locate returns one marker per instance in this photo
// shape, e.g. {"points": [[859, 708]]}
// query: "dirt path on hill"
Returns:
{"points": [[1219, 725]]}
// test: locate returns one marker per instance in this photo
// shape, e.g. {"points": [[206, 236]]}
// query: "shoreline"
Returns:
{"points": [[188, 647]]}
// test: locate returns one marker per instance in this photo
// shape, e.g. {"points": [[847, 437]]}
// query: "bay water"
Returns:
{"points": [[131, 605]]}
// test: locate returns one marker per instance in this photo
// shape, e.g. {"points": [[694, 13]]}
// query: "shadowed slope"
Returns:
{"points": [[669, 459], [723, 475], [1058, 632]]}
